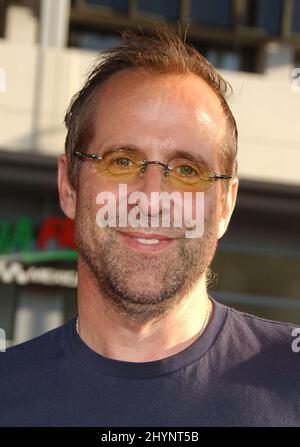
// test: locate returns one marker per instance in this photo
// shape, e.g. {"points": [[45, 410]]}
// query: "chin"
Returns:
{"points": [[145, 294]]}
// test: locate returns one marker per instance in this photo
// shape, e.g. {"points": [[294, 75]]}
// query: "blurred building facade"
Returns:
{"points": [[46, 49]]}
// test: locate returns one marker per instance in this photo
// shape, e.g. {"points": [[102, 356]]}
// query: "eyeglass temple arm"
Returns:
{"points": [[92, 156], [220, 176]]}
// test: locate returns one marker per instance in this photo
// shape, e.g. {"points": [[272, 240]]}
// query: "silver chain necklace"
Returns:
{"points": [[208, 312]]}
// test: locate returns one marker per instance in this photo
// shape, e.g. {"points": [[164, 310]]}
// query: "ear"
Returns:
{"points": [[227, 206], [67, 194]]}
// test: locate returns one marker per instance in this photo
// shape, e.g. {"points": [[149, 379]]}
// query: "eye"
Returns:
{"points": [[123, 162], [186, 170]]}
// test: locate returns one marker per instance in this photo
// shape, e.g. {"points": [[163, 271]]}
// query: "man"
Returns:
{"points": [[150, 347]]}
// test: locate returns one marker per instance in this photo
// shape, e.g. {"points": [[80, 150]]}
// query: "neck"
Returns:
{"points": [[114, 336]]}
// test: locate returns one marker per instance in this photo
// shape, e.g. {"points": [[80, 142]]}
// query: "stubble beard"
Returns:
{"points": [[140, 287]]}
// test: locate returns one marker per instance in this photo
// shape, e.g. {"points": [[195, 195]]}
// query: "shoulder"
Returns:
{"points": [[35, 354], [261, 330], [265, 350]]}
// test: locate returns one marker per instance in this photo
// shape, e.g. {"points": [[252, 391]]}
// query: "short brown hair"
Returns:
{"points": [[161, 52]]}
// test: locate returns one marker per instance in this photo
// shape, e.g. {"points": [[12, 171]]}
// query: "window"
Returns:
{"points": [[213, 13], [92, 40], [228, 60], [296, 17], [166, 8], [268, 15], [7, 309], [266, 285], [228, 57], [115, 5]]}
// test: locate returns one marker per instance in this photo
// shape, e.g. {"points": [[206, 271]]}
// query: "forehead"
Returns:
{"points": [[159, 113]]}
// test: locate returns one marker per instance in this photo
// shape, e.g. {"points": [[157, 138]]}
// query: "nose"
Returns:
{"points": [[152, 180]]}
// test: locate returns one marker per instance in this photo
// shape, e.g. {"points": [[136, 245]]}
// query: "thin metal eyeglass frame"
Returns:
{"points": [[145, 163]]}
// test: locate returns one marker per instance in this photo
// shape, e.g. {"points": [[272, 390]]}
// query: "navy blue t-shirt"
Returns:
{"points": [[241, 372]]}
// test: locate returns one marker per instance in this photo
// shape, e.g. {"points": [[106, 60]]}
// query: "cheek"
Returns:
{"points": [[202, 205], [211, 205]]}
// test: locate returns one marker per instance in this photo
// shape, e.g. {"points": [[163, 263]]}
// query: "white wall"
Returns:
{"points": [[268, 117], [39, 86]]}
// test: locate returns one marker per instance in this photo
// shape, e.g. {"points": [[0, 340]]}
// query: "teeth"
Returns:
{"points": [[147, 241]]}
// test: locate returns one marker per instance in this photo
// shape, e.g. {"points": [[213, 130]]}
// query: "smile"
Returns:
{"points": [[148, 243]]}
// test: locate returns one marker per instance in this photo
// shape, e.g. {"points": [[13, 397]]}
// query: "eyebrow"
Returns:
{"points": [[199, 159]]}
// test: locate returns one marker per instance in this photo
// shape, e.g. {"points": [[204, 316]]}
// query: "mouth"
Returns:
{"points": [[145, 242]]}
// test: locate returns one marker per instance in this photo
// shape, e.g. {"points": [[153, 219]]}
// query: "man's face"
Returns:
{"points": [[158, 115]]}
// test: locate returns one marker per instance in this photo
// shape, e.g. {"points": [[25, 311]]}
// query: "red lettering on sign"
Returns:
{"points": [[59, 228]]}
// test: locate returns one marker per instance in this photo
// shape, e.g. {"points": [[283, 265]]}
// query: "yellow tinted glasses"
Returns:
{"points": [[125, 166]]}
